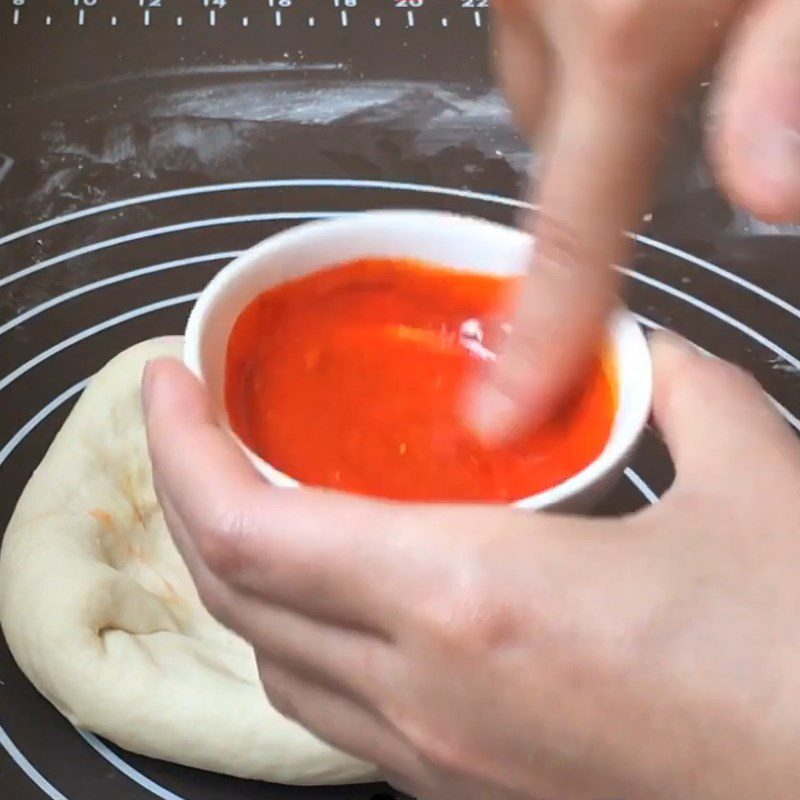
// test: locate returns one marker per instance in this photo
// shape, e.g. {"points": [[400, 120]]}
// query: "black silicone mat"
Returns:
{"points": [[143, 143]]}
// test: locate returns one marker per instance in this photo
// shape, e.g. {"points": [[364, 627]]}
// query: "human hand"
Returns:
{"points": [[593, 82], [480, 652]]}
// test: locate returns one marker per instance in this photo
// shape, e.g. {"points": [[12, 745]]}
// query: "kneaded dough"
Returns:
{"points": [[101, 614]]}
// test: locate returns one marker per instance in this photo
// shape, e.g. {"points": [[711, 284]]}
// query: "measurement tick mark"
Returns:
{"points": [[16, 16], [179, 21], [311, 22], [344, 19], [48, 20], [377, 22], [245, 21], [147, 16], [478, 19], [410, 18], [212, 17], [278, 19], [445, 22], [81, 16], [113, 21]]}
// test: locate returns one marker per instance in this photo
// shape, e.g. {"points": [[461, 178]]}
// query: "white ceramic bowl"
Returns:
{"points": [[460, 243]]}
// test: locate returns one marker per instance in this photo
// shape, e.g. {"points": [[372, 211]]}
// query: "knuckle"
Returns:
{"points": [[622, 32], [448, 755], [443, 751], [462, 619], [215, 600], [209, 596], [369, 664], [562, 251], [444, 618], [281, 700], [619, 19], [222, 543], [279, 694]]}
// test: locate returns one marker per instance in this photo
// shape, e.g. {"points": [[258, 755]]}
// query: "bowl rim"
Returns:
{"points": [[622, 327]]}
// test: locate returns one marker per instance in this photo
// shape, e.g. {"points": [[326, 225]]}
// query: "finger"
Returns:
{"points": [[719, 425], [348, 661], [337, 720], [336, 557], [181, 426], [352, 729], [755, 138], [599, 162], [521, 64]]}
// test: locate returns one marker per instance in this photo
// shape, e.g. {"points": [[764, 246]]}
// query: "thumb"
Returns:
{"points": [[719, 425], [756, 143], [598, 164]]}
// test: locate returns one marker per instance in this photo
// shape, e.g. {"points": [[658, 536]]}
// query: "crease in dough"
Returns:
{"points": [[102, 616]]}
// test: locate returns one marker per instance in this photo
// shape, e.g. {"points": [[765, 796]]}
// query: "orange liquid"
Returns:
{"points": [[354, 378]]}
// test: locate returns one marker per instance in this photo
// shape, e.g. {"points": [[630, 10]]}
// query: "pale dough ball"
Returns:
{"points": [[102, 616]]}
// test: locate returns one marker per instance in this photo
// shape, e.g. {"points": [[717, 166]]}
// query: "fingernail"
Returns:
{"points": [[770, 138], [492, 414], [778, 158], [675, 340], [147, 385]]}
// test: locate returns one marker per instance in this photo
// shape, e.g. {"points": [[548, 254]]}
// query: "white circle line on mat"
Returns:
{"points": [[88, 332], [727, 275], [388, 185], [703, 306], [696, 302], [17, 756], [782, 410], [289, 183], [714, 312], [95, 247], [11, 445], [130, 772], [641, 485], [111, 280]]}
